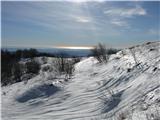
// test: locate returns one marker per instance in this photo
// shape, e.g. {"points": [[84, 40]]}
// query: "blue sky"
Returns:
{"points": [[81, 23]]}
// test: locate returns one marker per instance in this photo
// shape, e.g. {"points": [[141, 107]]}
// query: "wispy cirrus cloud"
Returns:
{"points": [[119, 16], [82, 19], [126, 12], [119, 23]]}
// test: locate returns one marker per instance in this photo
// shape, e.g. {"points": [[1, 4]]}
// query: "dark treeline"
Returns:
{"points": [[12, 71], [26, 53]]}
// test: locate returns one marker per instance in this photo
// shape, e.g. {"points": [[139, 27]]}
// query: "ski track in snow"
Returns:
{"points": [[87, 95]]}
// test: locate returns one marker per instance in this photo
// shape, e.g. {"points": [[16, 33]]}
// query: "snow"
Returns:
{"points": [[95, 91]]}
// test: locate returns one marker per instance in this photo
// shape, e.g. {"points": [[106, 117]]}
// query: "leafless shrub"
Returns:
{"points": [[134, 56], [59, 63], [99, 52], [64, 66], [68, 69]]}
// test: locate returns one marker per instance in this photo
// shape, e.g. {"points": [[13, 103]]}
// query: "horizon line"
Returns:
{"points": [[48, 47]]}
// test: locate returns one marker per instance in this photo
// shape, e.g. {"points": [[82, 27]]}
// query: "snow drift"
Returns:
{"points": [[123, 88]]}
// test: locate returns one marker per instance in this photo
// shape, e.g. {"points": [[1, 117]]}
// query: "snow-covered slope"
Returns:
{"points": [[115, 90]]}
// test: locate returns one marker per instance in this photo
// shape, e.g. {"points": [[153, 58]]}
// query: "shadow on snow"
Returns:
{"points": [[45, 90]]}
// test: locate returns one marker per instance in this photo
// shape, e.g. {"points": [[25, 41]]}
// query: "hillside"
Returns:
{"points": [[127, 87]]}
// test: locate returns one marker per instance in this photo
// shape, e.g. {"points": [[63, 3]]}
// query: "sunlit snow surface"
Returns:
{"points": [[95, 92]]}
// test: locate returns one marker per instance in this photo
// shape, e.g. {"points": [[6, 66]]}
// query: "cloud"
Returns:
{"points": [[126, 12], [119, 16], [119, 23], [82, 19]]}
